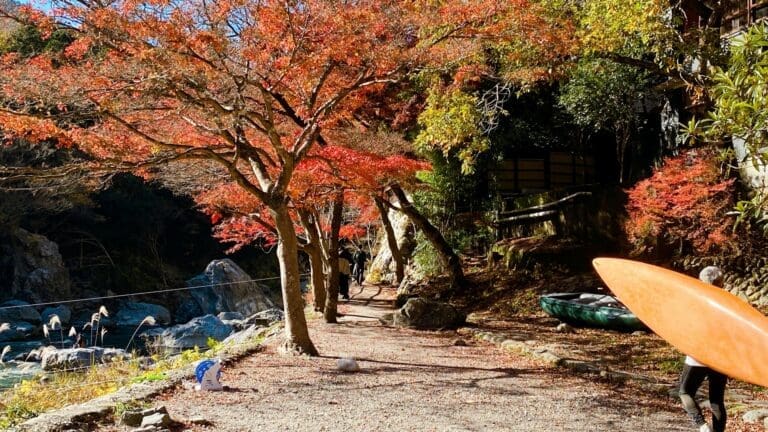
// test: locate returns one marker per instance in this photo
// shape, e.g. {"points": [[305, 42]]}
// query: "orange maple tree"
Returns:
{"points": [[326, 171], [249, 85], [683, 205]]}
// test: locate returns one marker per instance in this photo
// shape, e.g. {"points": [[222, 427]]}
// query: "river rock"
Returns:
{"points": [[38, 267], [194, 333], [235, 319], [37, 354], [230, 316], [79, 357], [186, 310], [231, 290], [63, 312], [17, 331], [427, 314], [17, 310], [265, 318], [133, 313]]}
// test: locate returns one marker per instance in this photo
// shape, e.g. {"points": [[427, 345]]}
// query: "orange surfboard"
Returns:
{"points": [[705, 322]]}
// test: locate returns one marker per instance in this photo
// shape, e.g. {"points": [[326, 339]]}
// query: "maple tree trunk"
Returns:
{"points": [[389, 231], [445, 253], [331, 302], [296, 332], [314, 249], [317, 277]]}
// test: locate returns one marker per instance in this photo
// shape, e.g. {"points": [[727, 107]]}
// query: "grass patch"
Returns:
{"points": [[34, 396], [671, 365], [121, 407]]}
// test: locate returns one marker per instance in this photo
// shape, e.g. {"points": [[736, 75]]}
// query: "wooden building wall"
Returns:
{"points": [[742, 13], [549, 171]]}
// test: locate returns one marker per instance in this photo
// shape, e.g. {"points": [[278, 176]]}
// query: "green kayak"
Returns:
{"points": [[592, 310]]}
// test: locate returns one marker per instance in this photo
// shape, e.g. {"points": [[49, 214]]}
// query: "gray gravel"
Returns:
{"points": [[410, 381]]}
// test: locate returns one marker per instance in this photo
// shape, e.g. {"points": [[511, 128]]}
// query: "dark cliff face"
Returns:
{"points": [[131, 236]]}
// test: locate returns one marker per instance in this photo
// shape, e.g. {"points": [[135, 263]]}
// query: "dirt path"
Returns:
{"points": [[414, 381]]}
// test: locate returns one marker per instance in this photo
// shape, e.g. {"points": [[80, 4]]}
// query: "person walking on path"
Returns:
{"points": [[359, 260], [344, 272], [694, 373]]}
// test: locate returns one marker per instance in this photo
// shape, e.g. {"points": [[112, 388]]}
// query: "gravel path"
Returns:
{"points": [[410, 381]]}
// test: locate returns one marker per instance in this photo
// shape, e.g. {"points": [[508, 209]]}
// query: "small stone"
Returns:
{"points": [[459, 342], [131, 418], [564, 328], [201, 421], [347, 365], [639, 333], [755, 416], [149, 411], [156, 420]]}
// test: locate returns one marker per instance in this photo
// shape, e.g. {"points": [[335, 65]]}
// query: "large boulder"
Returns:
{"points": [[62, 311], [228, 288], [17, 310], [186, 310], [382, 268], [57, 359], [427, 314], [38, 267], [133, 313], [194, 333]]}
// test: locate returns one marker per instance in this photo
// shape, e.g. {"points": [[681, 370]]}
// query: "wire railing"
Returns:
{"points": [[138, 293], [132, 294]]}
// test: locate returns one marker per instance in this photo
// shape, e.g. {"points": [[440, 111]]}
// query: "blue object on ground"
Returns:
{"points": [[202, 367]]}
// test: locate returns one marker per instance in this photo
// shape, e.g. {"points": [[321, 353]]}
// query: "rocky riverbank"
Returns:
{"points": [[217, 303]]}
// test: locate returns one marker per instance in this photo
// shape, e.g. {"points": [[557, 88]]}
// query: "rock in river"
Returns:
{"points": [[132, 313], [194, 333]]}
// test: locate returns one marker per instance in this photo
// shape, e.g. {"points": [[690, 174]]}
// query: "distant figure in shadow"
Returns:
{"points": [[79, 341], [359, 259], [694, 373], [345, 269]]}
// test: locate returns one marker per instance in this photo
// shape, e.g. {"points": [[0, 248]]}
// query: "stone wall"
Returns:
{"points": [[745, 276]]}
